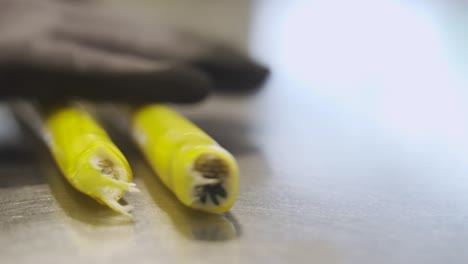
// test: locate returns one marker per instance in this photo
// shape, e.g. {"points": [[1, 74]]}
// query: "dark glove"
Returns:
{"points": [[55, 50]]}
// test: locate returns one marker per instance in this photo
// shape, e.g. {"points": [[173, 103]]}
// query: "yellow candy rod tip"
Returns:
{"points": [[116, 206], [116, 173], [103, 176]]}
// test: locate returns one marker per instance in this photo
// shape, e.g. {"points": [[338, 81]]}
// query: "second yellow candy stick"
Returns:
{"points": [[202, 174]]}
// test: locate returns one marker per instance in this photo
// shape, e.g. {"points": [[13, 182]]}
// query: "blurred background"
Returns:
{"points": [[353, 151]]}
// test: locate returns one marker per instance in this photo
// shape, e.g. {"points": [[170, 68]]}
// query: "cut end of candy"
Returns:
{"points": [[111, 181], [109, 168], [212, 178], [110, 198], [211, 166], [111, 195]]}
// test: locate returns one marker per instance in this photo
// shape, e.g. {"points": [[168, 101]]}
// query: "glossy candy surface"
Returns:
{"points": [[202, 174]]}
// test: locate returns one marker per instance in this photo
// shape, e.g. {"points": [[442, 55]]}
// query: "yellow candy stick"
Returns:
{"points": [[87, 157], [202, 174]]}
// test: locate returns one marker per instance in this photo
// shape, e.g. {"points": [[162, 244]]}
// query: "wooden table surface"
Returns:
{"points": [[355, 151]]}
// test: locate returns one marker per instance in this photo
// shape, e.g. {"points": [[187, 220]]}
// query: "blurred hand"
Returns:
{"points": [[55, 50]]}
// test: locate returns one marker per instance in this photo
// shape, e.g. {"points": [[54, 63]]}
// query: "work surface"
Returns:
{"points": [[352, 153]]}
